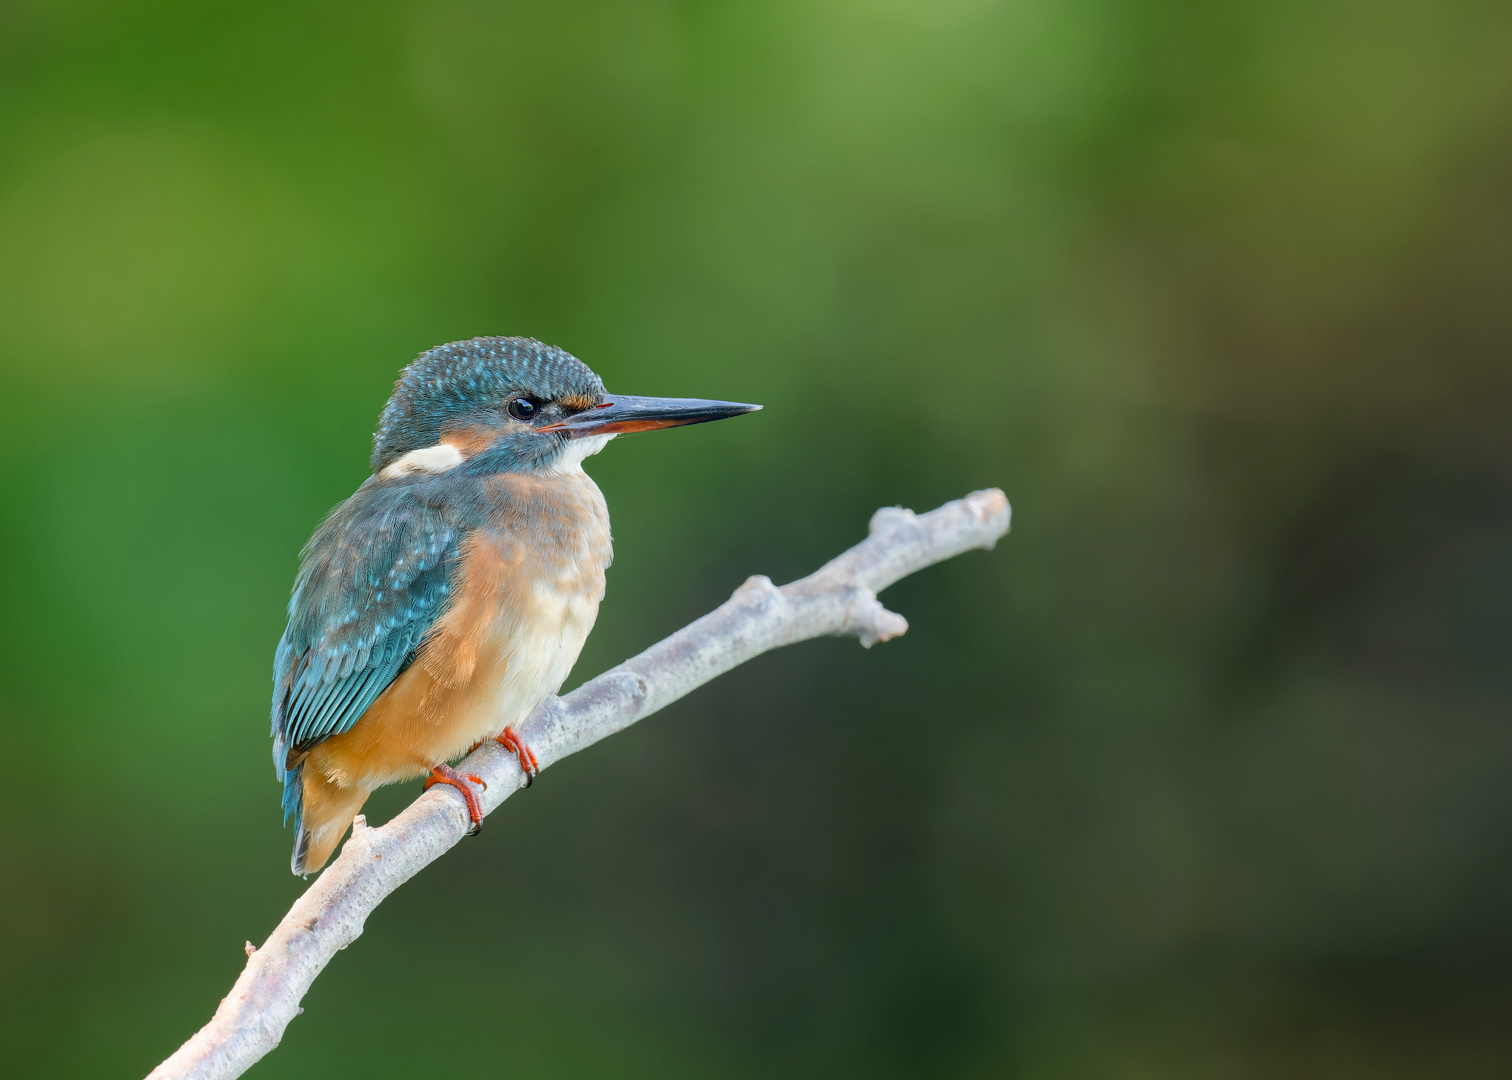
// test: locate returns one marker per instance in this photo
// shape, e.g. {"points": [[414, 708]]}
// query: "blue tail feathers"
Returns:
{"points": [[293, 795], [293, 807]]}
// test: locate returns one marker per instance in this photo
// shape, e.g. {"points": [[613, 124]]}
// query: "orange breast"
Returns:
{"points": [[526, 594]]}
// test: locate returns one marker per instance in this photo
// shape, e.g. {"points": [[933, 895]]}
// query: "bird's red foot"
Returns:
{"points": [[445, 774], [528, 763]]}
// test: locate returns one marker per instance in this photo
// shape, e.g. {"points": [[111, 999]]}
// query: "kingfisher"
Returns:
{"points": [[452, 592]]}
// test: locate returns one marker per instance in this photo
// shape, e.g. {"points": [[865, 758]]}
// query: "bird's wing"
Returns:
{"points": [[373, 580]]}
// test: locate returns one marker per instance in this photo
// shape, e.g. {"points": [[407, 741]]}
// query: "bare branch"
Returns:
{"points": [[838, 599]]}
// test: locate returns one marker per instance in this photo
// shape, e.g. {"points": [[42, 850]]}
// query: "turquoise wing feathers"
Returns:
{"points": [[372, 582]]}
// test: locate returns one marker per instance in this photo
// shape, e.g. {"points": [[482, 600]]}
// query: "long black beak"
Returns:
{"points": [[620, 414]]}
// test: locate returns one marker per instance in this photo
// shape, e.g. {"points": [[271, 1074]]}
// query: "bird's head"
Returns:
{"points": [[508, 403]]}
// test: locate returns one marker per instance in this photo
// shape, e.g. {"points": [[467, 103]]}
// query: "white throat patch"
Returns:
{"points": [[576, 450], [428, 459]]}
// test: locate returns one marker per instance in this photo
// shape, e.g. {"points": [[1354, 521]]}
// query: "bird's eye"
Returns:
{"points": [[522, 408]]}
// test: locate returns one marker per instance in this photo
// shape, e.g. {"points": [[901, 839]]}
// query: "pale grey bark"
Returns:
{"points": [[838, 599]]}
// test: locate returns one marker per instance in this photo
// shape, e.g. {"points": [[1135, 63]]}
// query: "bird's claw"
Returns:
{"points": [[445, 774], [516, 746]]}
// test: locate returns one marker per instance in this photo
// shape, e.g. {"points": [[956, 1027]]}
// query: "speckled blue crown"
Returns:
{"points": [[463, 377]]}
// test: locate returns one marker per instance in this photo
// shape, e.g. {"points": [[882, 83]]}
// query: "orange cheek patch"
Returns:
{"points": [[578, 402], [475, 439]]}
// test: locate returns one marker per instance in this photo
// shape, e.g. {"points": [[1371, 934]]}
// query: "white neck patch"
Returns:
{"points": [[428, 459], [444, 457]]}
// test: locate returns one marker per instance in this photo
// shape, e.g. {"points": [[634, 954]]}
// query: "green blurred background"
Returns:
{"points": [[1204, 772]]}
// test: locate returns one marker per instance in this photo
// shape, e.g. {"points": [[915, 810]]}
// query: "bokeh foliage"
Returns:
{"points": [[1203, 773]]}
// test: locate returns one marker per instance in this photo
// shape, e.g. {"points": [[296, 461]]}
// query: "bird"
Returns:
{"points": [[452, 592]]}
